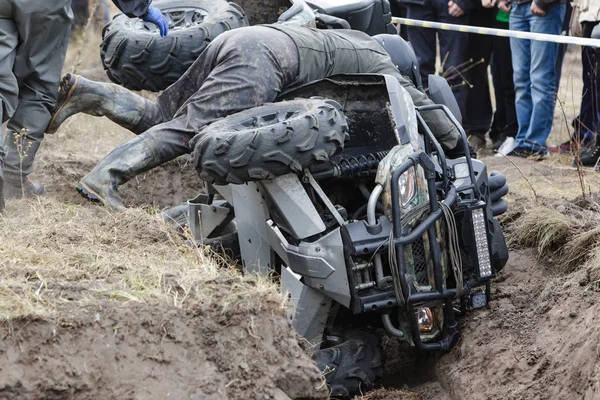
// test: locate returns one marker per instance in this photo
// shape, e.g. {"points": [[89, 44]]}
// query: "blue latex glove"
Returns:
{"points": [[155, 16]]}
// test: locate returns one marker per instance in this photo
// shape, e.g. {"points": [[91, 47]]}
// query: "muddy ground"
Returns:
{"points": [[98, 305]]}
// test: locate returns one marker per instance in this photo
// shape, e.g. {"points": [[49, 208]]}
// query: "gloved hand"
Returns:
{"points": [[155, 16], [498, 189]]}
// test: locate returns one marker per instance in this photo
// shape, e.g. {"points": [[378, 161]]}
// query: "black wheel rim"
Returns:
{"points": [[260, 121], [180, 18]]}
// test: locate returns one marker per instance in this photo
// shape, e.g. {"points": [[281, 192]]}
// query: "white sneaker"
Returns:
{"points": [[509, 145]]}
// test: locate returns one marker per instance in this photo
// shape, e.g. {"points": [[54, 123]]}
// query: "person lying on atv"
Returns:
{"points": [[241, 69]]}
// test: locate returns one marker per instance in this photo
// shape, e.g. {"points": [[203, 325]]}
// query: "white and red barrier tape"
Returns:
{"points": [[498, 32]]}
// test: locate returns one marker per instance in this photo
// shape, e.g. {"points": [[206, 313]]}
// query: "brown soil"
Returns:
{"points": [[538, 340], [133, 351]]}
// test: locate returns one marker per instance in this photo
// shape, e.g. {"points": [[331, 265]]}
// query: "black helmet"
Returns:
{"points": [[402, 55]]}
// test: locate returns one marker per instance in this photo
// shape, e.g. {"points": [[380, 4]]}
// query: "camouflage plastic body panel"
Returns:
{"points": [[397, 156], [419, 268]]}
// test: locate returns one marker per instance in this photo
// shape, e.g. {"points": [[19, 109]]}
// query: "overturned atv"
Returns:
{"points": [[381, 233], [135, 56]]}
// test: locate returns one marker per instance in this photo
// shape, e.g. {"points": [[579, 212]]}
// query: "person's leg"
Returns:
{"points": [[521, 61], [251, 69], [499, 118], [9, 89], [131, 111], [504, 88], [478, 118], [43, 29], [543, 78], [124, 107], [453, 51], [562, 47], [423, 40], [586, 123]]}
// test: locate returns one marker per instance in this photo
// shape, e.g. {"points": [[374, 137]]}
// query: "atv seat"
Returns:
{"points": [[370, 16]]}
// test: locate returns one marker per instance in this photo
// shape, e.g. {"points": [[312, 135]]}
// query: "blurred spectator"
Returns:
{"points": [[505, 126], [562, 47], [587, 123], [478, 118], [81, 13], [399, 10], [453, 45], [534, 66], [34, 35]]}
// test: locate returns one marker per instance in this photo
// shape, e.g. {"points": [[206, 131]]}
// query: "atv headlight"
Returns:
{"points": [[406, 184]]}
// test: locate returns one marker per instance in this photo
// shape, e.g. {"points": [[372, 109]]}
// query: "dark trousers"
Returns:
{"points": [[453, 46], [562, 47], [34, 35], [505, 118], [223, 80], [478, 118], [587, 122]]}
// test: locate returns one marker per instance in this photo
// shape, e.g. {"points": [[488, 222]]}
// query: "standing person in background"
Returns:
{"points": [[478, 118], [453, 45], [504, 126], [34, 35], [534, 65], [587, 123]]}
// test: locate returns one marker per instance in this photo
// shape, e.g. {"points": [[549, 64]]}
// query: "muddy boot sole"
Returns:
{"points": [[88, 193], [68, 84]]}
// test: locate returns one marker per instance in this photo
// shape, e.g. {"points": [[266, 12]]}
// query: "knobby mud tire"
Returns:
{"points": [[353, 366], [138, 58], [269, 141]]}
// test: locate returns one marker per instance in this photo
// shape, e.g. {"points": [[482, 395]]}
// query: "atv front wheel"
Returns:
{"points": [[135, 56], [353, 366], [269, 141]]}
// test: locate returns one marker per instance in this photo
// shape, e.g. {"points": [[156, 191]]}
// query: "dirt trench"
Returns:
{"points": [[539, 339], [150, 351]]}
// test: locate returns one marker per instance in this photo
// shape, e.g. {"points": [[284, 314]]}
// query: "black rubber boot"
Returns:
{"points": [[77, 94], [130, 159], [17, 186]]}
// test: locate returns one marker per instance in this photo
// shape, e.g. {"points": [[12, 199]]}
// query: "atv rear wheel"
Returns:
{"points": [[352, 366], [269, 141], [135, 56]]}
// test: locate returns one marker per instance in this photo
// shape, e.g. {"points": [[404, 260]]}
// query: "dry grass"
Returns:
{"points": [[567, 232], [541, 227], [54, 254]]}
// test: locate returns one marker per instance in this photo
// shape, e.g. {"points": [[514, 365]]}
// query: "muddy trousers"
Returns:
{"points": [[235, 72], [34, 36]]}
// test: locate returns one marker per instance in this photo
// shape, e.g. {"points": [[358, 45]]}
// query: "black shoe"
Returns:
{"points": [[524, 152], [590, 157]]}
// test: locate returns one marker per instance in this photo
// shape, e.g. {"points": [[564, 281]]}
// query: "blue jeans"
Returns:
{"points": [[534, 66]]}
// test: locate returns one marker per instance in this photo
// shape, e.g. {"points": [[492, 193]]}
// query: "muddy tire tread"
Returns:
{"points": [[359, 371], [224, 155], [141, 60]]}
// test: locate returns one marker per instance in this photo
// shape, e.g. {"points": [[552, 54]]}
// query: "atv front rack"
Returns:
{"points": [[402, 238]]}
